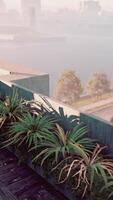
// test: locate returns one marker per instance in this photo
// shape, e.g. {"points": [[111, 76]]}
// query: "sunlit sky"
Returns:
{"points": [[55, 4]]}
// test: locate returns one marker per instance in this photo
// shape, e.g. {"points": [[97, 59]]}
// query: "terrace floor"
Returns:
{"points": [[19, 182]]}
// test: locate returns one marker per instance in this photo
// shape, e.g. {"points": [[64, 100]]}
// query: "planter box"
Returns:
{"points": [[39, 170]]}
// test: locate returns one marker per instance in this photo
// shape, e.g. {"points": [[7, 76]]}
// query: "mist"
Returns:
{"points": [[51, 40]]}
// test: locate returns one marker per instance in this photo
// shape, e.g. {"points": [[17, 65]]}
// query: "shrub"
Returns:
{"points": [[85, 170], [60, 144], [46, 109], [11, 108], [29, 130]]}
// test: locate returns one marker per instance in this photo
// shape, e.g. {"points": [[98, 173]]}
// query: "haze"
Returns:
{"points": [[76, 37], [55, 4]]}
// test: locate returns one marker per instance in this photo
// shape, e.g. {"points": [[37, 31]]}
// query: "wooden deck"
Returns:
{"points": [[19, 182]]}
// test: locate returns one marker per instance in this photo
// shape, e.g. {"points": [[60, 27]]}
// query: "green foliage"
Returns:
{"points": [[2, 97], [59, 144], [59, 117], [85, 170], [109, 186], [67, 122], [11, 108], [29, 130]]}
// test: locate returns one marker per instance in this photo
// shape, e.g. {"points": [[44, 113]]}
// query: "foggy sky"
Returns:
{"points": [[55, 4]]}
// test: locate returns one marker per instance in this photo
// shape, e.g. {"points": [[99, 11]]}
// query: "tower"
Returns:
{"points": [[90, 7], [31, 9], [2, 6]]}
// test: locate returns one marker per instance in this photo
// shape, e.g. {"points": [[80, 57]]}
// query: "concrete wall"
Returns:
{"points": [[38, 84], [4, 72], [55, 104], [31, 95], [27, 94]]}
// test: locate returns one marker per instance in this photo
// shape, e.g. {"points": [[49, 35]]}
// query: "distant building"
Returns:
{"points": [[90, 7], [3, 7], [8, 17], [31, 9]]}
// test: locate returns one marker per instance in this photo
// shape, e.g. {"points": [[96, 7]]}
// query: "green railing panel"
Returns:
{"points": [[99, 129], [24, 93], [5, 89]]}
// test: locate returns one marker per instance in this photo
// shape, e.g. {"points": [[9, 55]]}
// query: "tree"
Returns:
{"points": [[68, 87], [98, 84]]}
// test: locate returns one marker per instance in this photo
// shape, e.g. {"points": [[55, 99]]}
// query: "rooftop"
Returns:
{"points": [[19, 69], [12, 77]]}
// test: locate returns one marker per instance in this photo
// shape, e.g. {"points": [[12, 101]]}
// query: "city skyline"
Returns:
{"points": [[57, 4]]}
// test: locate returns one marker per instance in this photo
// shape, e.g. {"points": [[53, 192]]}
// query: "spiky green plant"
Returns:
{"points": [[109, 185], [46, 109], [30, 129], [11, 108], [67, 122], [59, 144], [2, 96], [85, 170]]}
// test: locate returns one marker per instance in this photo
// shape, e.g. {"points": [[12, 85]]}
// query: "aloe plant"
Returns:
{"points": [[109, 186], [2, 97], [67, 122], [46, 109], [11, 108], [29, 130], [85, 170], [58, 144]]}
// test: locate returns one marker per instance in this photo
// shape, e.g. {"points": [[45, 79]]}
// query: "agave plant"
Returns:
{"points": [[11, 108], [85, 170], [59, 144], [29, 130], [46, 109], [109, 186], [67, 122], [2, 97]]}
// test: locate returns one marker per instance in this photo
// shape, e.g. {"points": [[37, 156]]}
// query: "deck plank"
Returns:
{"points": [[19, 182]]}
